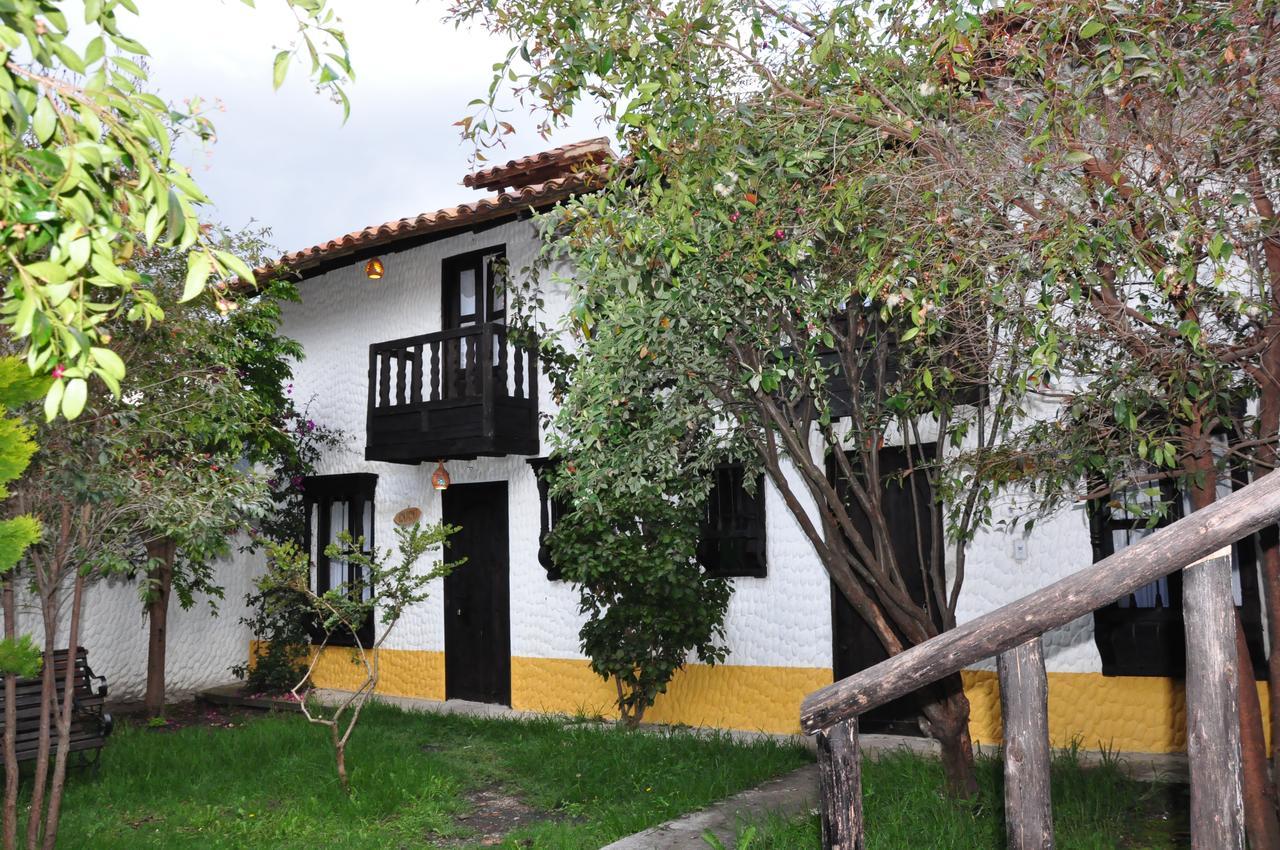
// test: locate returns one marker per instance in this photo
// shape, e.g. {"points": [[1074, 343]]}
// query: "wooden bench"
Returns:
{"points": [[90, 723]]}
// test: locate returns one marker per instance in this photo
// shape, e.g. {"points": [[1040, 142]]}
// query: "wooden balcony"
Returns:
{"points": [[456, 394]]}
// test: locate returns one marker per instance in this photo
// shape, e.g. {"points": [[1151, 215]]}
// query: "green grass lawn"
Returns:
{"points": [[1092, 808], [419, 780], [422, 780]]}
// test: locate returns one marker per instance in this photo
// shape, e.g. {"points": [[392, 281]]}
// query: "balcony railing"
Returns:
{"points": [[459, 393]]}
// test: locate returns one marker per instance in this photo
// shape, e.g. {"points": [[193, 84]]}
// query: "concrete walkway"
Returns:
{"points": [[789, 795]]}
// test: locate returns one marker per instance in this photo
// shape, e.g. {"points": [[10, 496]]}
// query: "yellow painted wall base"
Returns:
{"points": [[1099, 712], [1128, 713]]}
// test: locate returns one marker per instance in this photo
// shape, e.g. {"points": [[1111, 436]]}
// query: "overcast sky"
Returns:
{"points": [[285, 158]]}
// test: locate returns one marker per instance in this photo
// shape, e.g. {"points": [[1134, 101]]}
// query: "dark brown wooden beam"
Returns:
{"points": [[1024, 705], [1186, 541]]}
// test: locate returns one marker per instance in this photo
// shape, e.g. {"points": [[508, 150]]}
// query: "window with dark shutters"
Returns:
{"points": [[732, 543], [1142, 634], [337, 503]]}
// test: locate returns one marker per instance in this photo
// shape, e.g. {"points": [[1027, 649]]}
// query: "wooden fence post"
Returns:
{"points": [[1213, 722], [1024, 704], [840, 778]]}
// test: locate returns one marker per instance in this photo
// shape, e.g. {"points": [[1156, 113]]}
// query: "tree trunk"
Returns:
{"points": [[161, 552], [64, 720], [1259, 790], [948, 720], [48, 695], [340, 755], [10, 816]]}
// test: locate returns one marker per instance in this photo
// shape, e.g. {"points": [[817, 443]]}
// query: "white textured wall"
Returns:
{"points": [[201, 647]]}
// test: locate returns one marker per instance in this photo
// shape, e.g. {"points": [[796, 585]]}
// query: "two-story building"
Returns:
{"points": [[407, 353]]}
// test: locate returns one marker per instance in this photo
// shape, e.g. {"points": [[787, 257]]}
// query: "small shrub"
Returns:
{"points": [[279, 620]]}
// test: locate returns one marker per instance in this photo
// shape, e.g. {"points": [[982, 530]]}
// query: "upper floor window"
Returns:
{"points": [[337, 503], [474, 289]]}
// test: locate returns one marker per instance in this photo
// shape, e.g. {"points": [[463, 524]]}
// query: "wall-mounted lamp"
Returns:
{"points": [[374, 270], [440, 478]]}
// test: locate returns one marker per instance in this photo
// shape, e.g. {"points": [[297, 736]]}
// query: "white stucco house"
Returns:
{"points": [[407, 354]]}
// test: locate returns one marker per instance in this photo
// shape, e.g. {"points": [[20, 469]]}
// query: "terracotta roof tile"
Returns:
{"points": [[566, 171], [538, 167]]}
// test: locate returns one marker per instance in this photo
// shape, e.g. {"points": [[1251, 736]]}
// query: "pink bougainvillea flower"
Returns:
{"points": [[59, 371]]}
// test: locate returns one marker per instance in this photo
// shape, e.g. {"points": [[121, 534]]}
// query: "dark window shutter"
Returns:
{"points": [[549, 513], [733, 527]]}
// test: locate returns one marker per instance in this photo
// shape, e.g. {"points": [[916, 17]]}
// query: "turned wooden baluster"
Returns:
{"points": [[500, 340], [384, 378], [518, 372], [416, 392], [402, 360], [435, 370]]}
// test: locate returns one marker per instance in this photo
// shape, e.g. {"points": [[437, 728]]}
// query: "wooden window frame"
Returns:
{"points": [[320, 492], [1150, 642], [739, 550]]}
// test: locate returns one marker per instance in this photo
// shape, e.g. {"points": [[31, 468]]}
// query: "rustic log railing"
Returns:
{"points": [[1199, 544]]}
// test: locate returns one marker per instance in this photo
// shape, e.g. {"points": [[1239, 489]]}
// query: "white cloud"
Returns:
{"points": [[285, 158]]}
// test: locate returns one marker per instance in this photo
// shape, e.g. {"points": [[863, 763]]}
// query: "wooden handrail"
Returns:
{"points": [[1168, 550], [440, 336]]}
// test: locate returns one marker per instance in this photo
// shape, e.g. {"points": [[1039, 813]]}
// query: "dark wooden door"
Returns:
{"points": [[856, 646], [477, 618]]}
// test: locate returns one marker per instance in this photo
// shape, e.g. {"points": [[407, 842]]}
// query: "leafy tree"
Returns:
{"points": [[208, 402], [89, 178], [19, 656], [814, 342], [1121, 157], [386, 588], [648, 602]]}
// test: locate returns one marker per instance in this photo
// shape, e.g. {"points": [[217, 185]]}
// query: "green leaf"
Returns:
{"points": [[280, 69], [74, 398], [199, 264], [49, 272], [109, 362], [236, 266], [53, 400], [1077, 157], [1091, 29], [44, 121]]}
